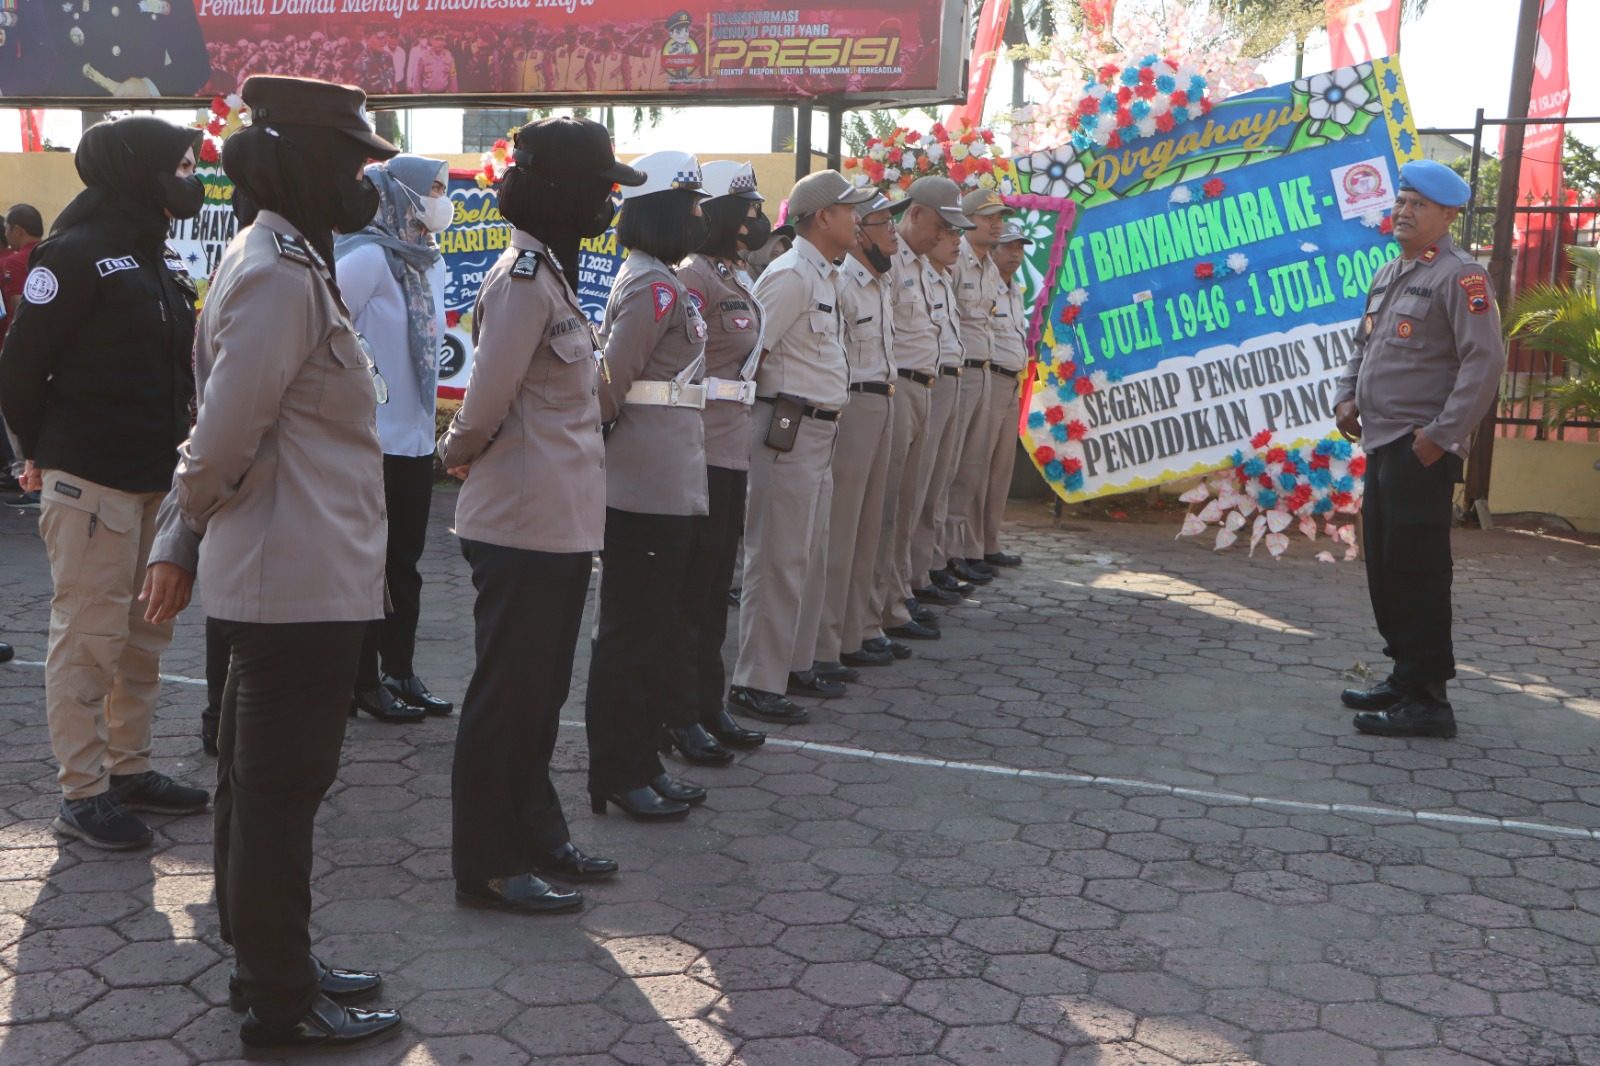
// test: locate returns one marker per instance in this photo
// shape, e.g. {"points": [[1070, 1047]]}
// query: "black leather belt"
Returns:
{"points": [[916, 375], [950, 371], [977, 364], [995, 368], [821, 414], [876, 388]]}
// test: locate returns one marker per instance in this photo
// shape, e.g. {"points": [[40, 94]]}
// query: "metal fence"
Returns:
{"points": [[1520, 412]]}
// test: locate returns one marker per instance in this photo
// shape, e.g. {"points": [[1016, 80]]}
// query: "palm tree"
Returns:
{"points": [[1564, 321]]}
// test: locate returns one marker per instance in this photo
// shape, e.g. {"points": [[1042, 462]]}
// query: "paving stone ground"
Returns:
{"points": [[1116, 817]]}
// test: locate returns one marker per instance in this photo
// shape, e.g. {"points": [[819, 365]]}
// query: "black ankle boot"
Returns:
{"points": [[1424, 712]]}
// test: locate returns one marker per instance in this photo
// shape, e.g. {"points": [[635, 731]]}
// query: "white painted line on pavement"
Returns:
{"points": [[1478, 821]]}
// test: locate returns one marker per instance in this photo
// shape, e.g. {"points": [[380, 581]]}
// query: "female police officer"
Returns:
{"points": [[713, 276], [527, 440], [284, 454], [655, 490]]}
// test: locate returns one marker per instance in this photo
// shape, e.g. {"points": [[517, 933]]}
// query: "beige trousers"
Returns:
{"points": [[785, 552], [102, 669], [1003, 414], [928, 530], [855, 522], [905, 487], [963, 525]]}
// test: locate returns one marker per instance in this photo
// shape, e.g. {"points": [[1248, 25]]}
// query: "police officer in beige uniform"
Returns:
{"points": [[284, 455], [1427, 364], [861, 459], [715, 279], [978, 296], [934, 214], [530, 517], [932, 582], [801, 388], [1009, 362], [656, 494]]}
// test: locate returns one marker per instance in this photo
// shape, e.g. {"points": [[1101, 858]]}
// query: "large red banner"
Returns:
{"points": [[1539, 179], [1359, 30], [608, 48]]}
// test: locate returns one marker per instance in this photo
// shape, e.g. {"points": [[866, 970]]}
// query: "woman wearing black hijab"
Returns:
{"points": [[283, 479], [97, 383]]}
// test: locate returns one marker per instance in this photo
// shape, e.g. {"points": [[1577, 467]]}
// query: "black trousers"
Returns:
{"points": [[697, 695], [407, 495], [504, 808], [637, 642], [216, 669], [1406, 515], [283, 717]]}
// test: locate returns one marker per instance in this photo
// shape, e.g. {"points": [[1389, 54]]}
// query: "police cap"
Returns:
{"points": [[572, 146], [1435, 181], [823, 189], [309, 102]]}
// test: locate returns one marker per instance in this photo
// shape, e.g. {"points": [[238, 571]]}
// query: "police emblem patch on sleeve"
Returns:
{"points": [[697, 298], [1476, 287], [41, 286], [664, 296], [527, 265]]}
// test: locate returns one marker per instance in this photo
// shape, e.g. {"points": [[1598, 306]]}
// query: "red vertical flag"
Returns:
{"points": [[991, 33], [1539, 177], [32, 130], [1359, 30]]}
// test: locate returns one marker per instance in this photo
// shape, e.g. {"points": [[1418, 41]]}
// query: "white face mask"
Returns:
{"points": [[436, 213]]}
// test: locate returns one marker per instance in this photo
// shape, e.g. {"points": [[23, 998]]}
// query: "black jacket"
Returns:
{"points": [[97, 372]]}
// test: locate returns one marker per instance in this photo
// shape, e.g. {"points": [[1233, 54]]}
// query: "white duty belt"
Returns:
{"points": [[743, 388], [681, 391]]}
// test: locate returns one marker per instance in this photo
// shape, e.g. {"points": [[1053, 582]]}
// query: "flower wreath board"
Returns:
{"points": [[1204, 307]]}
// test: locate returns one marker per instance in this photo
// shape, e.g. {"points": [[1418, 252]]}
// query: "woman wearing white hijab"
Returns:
{"points": [[393, 279]]}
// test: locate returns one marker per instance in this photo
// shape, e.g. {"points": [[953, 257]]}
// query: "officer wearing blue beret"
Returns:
{"points": [[1428, 362]]}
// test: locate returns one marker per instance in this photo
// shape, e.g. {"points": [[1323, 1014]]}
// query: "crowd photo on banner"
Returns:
{"points": [[752, 443]]}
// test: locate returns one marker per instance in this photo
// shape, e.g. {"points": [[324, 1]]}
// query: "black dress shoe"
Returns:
{"points": [[326, 1027], [411, 690], [806, 683], [945, 581], [913, 631], [6, 652], [1379, 697], [959, 569], [893, 647], [1002, 559], [926, 615], [670, 788], [867, 658], [644, 804], [567, 863], [695, 745], [929, 594], [341, 986], [768, 706], [835, 671], [1422, 713], [519, 894], [980, 566], [730, 734], [382, 705]]}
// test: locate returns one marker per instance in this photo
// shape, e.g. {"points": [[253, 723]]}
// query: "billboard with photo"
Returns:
{"points": [[714, 49]]}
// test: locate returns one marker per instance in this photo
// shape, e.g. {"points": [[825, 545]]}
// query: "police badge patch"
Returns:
{"points": [[664, 296], [41, 286], [1476, 287], [697, 298]]}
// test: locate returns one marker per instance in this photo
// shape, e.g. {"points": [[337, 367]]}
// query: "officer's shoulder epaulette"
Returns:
{"points": [[292, 247], [527, 265]]}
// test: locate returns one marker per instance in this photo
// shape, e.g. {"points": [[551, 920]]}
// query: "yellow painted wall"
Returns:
{"points": [[1551, 477], [46, 180]]}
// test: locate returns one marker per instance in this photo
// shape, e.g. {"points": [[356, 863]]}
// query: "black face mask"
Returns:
{"points": [[604, 212], [182, 197], [757, 232], [357, 206], [699, 230], [880, 262]]}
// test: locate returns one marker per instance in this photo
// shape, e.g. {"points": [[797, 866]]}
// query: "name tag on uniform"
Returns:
{"points": [[863, 321], [111, 266], [825, 307]]}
